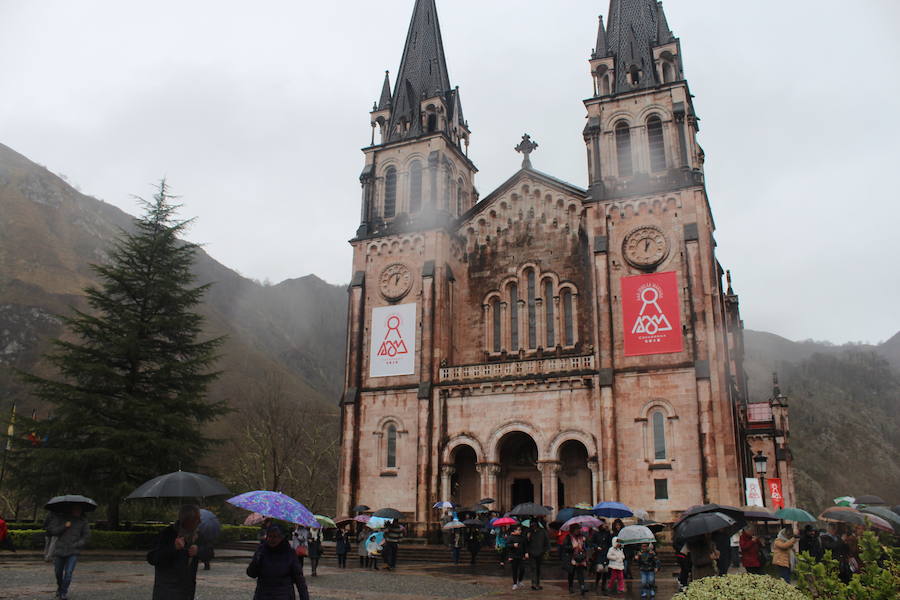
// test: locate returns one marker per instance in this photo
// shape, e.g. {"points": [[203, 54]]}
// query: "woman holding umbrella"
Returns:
{"points": [[69, 532], [176, 556], [783, 549], [276, 569]]}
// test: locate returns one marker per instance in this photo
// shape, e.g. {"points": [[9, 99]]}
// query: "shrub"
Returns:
{"points": [[740, 587], [879, 578]]}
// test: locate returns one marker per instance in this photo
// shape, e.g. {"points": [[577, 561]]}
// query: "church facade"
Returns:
{"points": [[549, 342]]}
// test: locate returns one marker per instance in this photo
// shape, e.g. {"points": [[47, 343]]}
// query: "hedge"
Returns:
{"points": [[33, 539], [740, 587]]}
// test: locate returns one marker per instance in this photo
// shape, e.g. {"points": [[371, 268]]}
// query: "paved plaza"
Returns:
{"points": [[32, 579]]}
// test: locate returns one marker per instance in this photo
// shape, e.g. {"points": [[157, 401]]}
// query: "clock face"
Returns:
{"points": [[395, 281], [645, 247]]}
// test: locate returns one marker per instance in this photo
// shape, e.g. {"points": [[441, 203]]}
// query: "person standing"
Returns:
{"points": [[276, 569], [600, 542], [703, 555], [736, 549], [648, 564], [300, 544], [176, 556], [750, 556], [500, 539], [71, 531], [342, 546], [616, 557], [834, 543], [474, 541], [518, 553], [538, 546], [811, 544], [577, 553], [457, 540], [782, 549], [361, 536], [723, 546], [5, 540], [392, 538], [314, 549]]}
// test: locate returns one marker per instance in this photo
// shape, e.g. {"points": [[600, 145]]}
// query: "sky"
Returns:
{"points": [[255, 112]]}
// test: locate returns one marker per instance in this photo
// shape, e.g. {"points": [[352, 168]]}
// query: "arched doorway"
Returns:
{"points": [[574, 478], [465, 484], [519, 479]]}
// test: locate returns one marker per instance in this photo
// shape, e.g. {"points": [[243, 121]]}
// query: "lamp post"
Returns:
{"points": [[759, 463]]}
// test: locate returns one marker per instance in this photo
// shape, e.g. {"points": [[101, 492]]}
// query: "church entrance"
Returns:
{"points": [[574, 483], [519, 479], [465, 484]]}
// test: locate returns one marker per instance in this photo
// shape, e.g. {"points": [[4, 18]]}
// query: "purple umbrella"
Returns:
{"points": [[275, 505], [582, 521]]}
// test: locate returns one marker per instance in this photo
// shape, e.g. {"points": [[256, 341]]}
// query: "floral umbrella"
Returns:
{"points": [[254, 519], [275, 505]]}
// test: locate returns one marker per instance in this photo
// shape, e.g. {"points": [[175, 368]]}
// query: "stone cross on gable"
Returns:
{"points": [[526, 147]]}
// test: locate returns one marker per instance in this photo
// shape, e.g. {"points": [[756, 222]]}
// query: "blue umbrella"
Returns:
{"points": [[209, 528], [275, 505], [613, 510], [374, 543]]}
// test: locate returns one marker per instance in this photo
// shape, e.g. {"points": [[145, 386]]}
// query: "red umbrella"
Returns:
{"points": [[504, 522]]}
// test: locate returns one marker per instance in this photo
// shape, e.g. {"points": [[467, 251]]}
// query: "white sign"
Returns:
{"points": [[393, 347], [754, 492]]}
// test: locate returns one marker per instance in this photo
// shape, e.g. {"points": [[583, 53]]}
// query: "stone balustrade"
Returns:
{"points": [[519, 368]]}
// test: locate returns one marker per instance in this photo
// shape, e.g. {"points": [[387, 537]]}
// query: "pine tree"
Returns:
{"points": [[129, 402]]}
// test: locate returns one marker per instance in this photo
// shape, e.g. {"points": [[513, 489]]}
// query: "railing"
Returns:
{"points": [[519, 368]]}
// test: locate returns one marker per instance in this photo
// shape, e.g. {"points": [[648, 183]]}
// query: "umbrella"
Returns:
{"points": [[377, 522], [706, 522], [896, 509], [732, 511], [504, 522], [529, 509], [325, 522], [388, 513], [758, 513], [473, 523], [582, 521], [180, 484], [275, 505], [636, 534], [374, 543], [641, 515], [445, 504], [567, 513], [362, 518], [209, 528], [876, 522], [486, 501], [842, 514], [342, 520], [845, 501], [613, 510], [475, 508], [652, 525], [886, 514], [360, 508], [63, 503], [254, 519], [798, 515], [583, 506], [870, 500], [454, 524]]}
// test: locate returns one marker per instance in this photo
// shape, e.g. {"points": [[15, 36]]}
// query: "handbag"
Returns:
{"points": [[302, 551], [49, 547], [602, 568]]}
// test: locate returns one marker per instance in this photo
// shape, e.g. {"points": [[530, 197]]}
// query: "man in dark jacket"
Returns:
{"points": [[71, 531], [276, 569], [392, 537], [518, 552], [538, 546], [176, 556], [810, 542]]}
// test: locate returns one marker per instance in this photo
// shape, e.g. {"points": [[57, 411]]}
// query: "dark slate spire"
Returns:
{"points": [[635, 27], [385, 100], [601, 50], [423, 70]]}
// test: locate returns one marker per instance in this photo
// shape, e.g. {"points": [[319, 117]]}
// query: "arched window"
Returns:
{"points": [[668, 72], [568, 318], [658, 422], [623, 149], [495, 310], [415, 186], [657, 144], [532, 317], [514, 316], [548, 303], [432, 122], [391, 462], [448, 182], [390, 192], [604, 86], [634, 75], [460, 205]]}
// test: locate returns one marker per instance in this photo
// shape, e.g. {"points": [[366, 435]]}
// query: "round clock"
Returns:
{"points": [[395, 281], [645, 247]]}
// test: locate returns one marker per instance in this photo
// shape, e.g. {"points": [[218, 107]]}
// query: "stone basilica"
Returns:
{"points": [[547, 342]]}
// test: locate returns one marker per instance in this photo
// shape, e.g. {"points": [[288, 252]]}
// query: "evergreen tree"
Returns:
{"points": [[130, 400]]}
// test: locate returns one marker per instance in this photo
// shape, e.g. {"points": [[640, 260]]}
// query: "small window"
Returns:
{"points": [[495, 309], [415, 186], [668, 72], [532, 317], [657, 144], [623, 149], [661, 489], [548, 303], [659, 435], [568, 318], [514, 316], [432, 122], [604, 86], [390, 192], [392, 446], [634, 75]]}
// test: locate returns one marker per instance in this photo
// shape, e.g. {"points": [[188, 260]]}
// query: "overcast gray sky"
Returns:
{"points": [[256, 111]]}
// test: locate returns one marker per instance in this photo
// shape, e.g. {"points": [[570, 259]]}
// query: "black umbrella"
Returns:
{"points": [[180, 484], [64, 503], [529, 509], [652, 525], [388, 513], [732, 511], [870, 500], [705, 522], [477, 508], [896, 509], [360, 508], [486, 501], [473, 523]]}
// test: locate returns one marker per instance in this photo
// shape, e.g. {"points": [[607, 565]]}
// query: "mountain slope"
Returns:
{"points": [[50, 233]]}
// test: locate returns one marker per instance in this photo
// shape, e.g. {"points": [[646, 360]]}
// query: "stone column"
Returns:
{"points": [[594, 466], [447, 472], [488, 473], [549, 476]]}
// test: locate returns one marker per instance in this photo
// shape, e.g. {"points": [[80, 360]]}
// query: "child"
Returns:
{"points": [[648, 564], [616, 556]]}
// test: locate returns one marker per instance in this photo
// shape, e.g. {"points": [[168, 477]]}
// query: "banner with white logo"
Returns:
{"points": [[754, 492], [393, 344], [651, 314]]}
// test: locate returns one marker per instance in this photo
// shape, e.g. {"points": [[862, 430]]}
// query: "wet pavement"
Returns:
{"points": [[133, 580]]}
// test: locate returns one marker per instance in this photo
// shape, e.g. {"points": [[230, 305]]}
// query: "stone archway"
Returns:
{"points": [[465, 481], [574, 476], [519, 479]]}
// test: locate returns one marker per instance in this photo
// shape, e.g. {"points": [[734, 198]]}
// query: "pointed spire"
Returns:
{"points": [[634, 28], [664, 35], [601, 50], [423, 69], [385, 100]]}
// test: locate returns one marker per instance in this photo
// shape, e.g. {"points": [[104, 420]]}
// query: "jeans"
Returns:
{"points": [[64, 566], [648, 583], [784, 573]]}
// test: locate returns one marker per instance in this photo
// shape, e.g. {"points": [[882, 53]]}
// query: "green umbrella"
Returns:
{"points": [[795, 514], [325, 522]]}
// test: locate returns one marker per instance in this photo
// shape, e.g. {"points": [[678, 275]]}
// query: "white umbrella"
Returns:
{"points": [[454, 524], [636, 534]]}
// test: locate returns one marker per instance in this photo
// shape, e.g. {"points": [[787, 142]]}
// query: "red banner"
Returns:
{"points": [[775, 492], [651, 314]]}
